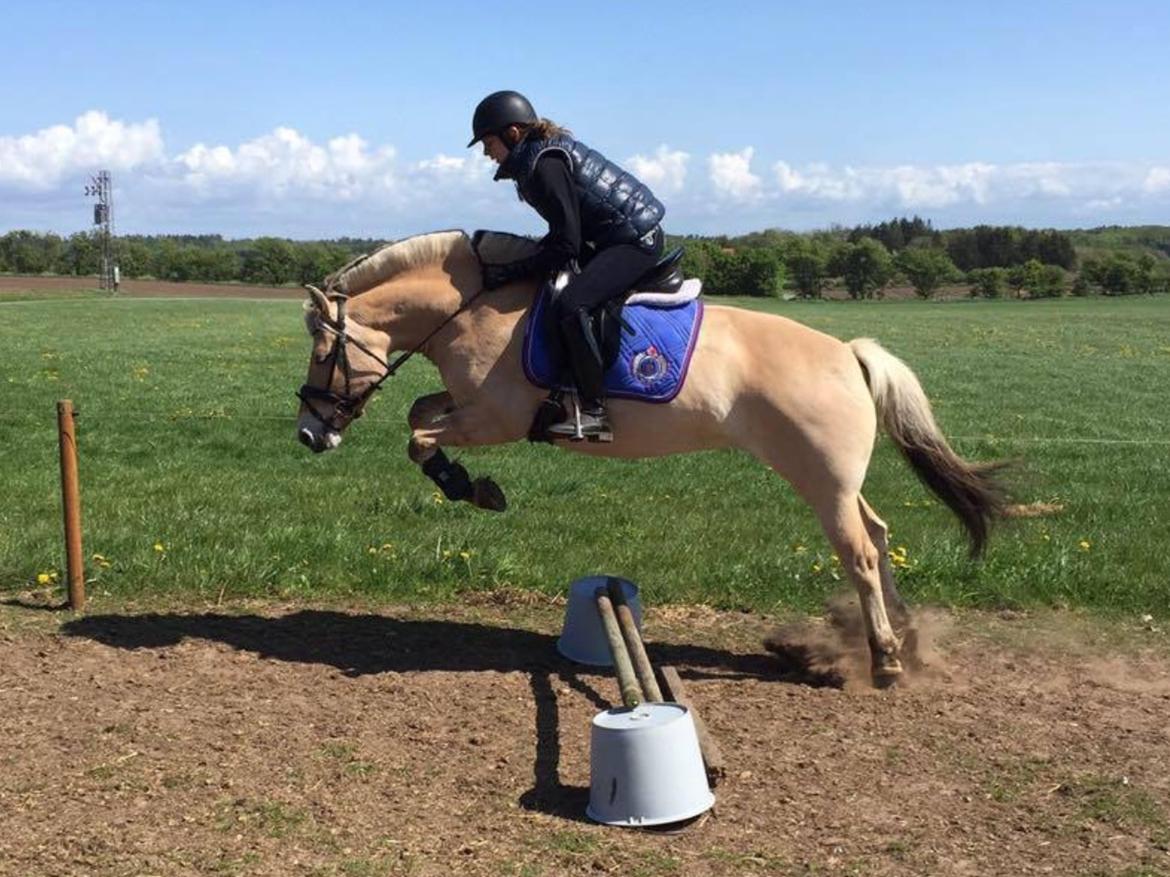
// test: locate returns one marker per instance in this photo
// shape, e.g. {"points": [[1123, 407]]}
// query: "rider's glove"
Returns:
{"points": [[495, 276]]}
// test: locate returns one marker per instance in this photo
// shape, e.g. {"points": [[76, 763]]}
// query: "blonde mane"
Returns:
{"points": [[371, 269]]}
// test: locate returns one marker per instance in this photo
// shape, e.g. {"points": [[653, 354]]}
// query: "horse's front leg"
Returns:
{"points": [[436, 420]]}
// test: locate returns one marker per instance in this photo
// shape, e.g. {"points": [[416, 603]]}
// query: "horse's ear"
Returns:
{"points": [[317, 297]]}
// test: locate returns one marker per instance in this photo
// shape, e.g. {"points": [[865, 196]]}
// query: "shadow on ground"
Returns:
{"points": [[358, 645]]}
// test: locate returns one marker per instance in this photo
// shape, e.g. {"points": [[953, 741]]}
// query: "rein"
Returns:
{"points": [[348, 404]]}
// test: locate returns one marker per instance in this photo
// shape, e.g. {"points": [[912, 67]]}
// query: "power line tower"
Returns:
{"points": [[101, 188]]}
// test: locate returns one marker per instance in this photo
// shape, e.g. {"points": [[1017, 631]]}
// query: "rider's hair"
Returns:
{"points": [[546, 128]]}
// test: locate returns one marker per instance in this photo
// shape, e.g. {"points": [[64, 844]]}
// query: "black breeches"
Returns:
{"points": [[608, 274]]}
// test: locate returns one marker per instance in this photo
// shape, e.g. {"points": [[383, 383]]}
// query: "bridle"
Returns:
{"points": [[348, 405]]}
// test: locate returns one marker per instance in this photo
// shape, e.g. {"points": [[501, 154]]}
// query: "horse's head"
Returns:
{"points": [[347, 365]]}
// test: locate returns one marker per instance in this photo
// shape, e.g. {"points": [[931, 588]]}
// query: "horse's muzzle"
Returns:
{"points": [[311, 440]]}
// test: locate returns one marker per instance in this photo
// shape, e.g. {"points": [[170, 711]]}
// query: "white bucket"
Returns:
{"points": [[645, 767], [582, 637]]}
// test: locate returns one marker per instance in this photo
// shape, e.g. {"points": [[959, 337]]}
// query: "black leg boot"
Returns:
{"points": [[591, 421]]}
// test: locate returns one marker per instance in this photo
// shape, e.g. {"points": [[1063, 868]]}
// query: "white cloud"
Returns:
{"points": [[732, 176], [665, 172], [41, 161], [977, 184], [904, 185], [286, 163], [284, 182], [1157, 180]]}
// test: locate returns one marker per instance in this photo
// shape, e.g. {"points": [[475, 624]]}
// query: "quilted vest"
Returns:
{"points": [[616, 208]]}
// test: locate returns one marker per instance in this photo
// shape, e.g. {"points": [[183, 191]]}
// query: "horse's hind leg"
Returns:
{"points": [[879, 535], [436, 420], [848, 531], [896, 607]]}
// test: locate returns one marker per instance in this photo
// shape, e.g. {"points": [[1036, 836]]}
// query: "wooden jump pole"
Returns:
{"points": [[712, 754], [71, 505], [631, 691], [636, 677], [634, 644]]}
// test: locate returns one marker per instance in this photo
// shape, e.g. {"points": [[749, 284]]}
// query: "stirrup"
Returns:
{"points": [[581, 426]]}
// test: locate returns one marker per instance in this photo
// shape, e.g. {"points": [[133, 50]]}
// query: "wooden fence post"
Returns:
{"points": [[71, 503]]}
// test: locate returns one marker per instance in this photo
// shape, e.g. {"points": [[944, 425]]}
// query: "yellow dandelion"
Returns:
{"points": [[799, 548], [816, 567], [466, 555], [437, 497], [159, 547], [46, 578], [372, 550], [1084, 545]]}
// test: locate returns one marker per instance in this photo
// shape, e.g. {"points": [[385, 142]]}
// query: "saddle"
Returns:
{"points": [[663, 286]]}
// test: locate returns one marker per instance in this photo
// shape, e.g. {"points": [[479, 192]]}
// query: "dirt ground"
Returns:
{"points": [[291, 740], [152, 288]]}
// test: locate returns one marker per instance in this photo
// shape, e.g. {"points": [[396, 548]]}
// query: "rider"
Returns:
{"points": [[600, 219]]}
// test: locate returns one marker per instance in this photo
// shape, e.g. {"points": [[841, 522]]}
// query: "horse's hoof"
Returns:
{"points": [[887, 674], [486, 494]]}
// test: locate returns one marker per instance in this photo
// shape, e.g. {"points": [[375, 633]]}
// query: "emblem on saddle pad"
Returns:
{"points": [[649, 366]]}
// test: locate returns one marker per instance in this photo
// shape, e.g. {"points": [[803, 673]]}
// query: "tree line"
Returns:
{"points": [[266, 261], [993, 261]]}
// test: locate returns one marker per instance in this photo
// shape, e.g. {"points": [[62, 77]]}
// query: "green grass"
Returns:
{"points": [[194, 486], [8, 295]]}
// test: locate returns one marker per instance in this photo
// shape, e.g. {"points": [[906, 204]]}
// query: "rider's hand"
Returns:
{"points": [[495, 276]]}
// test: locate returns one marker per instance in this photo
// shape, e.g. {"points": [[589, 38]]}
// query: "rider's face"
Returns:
{"points": [[494, 148]]}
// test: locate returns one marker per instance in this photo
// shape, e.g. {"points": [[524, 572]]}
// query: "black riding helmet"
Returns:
{"points": [[499, 110]]}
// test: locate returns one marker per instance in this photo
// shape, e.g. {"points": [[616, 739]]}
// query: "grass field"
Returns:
{"points": [[194, 486]]}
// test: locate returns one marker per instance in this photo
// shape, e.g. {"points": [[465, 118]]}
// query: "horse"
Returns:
{"points": [[804, 403]]}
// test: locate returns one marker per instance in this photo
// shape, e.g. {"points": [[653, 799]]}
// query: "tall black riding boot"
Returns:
{"points": [[592, 420]]}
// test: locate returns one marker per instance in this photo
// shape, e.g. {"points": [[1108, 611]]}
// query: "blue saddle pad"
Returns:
{"points": [[651, 364]]}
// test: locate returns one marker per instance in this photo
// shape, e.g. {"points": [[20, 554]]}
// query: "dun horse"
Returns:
{"points": [[804, 403]]}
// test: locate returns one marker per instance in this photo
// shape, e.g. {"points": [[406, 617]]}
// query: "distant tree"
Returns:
{"points": [[807, 262], [926, 268], [315, 260], [1093, 271], [1120, 275], [133, 257], [1081, 286], [1017, 279], [26, 252], [1044, 281], [761, 272], [1145, 273], [270, 261], [82, 255], [698, 257], [213, 263], [896, 234], [987, 282], [177, 262], [866, 267]]}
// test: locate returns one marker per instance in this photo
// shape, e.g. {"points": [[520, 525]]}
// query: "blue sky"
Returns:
{"points": [[320, 120]]}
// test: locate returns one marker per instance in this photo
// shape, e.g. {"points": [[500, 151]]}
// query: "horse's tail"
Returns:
{"points": [[971, 490]]}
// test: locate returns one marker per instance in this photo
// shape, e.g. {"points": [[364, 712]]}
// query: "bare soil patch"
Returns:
{"points": [[152, 288], [275, 740]]}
